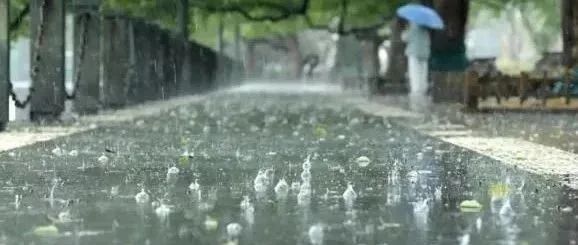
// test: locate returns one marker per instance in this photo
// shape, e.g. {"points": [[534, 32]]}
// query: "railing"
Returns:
{"points": [[118, 61]]}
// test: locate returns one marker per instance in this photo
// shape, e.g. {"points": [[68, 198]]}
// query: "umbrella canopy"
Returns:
{"points": [[421, 15]]}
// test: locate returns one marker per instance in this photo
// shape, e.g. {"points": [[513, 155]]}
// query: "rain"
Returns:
{"points": [[308, 122]]}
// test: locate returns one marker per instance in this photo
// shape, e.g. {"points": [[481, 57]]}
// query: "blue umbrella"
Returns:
{"points": [[421, 15]]}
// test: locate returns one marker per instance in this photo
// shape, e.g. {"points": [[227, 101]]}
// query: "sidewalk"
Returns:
{"points": [[559, 130], [19, 134]]}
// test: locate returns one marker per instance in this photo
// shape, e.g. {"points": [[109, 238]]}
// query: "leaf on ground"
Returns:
{"points": [[48, 230]]}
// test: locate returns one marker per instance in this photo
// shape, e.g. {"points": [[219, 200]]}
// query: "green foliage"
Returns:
{"points": [[16, 6], [541, 18]]}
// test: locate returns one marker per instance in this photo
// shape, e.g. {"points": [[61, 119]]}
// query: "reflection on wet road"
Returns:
{"points": [[264, 169]]}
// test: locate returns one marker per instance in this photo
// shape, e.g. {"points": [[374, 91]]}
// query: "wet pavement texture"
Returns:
{"points": [[215, 173], [556, 129]]}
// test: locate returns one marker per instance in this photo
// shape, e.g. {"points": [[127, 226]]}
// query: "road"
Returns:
{"points": [[213, 171]]}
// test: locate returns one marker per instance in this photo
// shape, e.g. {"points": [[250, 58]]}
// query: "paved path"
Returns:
{"points": [[357, 172]]}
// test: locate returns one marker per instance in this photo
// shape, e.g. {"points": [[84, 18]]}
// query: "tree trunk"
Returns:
{"points": [[220, 79], [371, 64], [569, 30], [47, 64], [295, 56], [238, 71], [397, 62], [448, 51], [348, 61], [183, 19], [4, 62], [86, 58], [251, 60], [117, 44]]}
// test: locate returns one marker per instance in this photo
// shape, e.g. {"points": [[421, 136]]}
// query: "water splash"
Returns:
{"points": [[142, 197], [363, 161], [103, 159], [248, 210], [307, 164], [58, 152], [163, 211], [73, 153], [295, 186], [349, 196], [51, 200], [172, 174], [282, 189], [234, 231], [315, 234], [195, 190]]}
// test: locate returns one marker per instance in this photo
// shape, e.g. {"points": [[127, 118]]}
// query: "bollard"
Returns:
{"points": [[47, 61], [86, 74], [116, 60], [4, 62]]}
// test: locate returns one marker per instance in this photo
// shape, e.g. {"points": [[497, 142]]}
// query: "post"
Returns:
{"points": [[4, 62], [116, 62], [86, 56], [47, 63]]}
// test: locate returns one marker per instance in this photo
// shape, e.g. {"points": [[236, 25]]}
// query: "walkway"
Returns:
{"points": [[261, 167]]}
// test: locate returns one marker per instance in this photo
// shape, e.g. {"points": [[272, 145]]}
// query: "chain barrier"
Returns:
{"points": [[35, 69]]}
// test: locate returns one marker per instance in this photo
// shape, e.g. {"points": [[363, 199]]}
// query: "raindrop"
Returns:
{"points": [[307, 164], [73, 153], [114, 191], [362, 161], [65, 217], [479, 225], [172, 174], [316, 234], [295, 186], [195, 189], [260, 183], [58, 152], [163, 211], [142, 197], [349, 196], [282, 189], [304, 196], [248, 210], [103, 159], [305, 175], [234, 230], [438, 193]]}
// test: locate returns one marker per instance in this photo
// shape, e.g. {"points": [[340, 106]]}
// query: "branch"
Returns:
{"points": [[285, 12], [343, 31], [19, 18]]}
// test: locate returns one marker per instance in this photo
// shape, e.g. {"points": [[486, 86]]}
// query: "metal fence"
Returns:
{"points": [[118, 61]]}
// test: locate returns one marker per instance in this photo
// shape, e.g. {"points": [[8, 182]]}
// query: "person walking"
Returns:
{"points": [[421, 19], [418, 50]]}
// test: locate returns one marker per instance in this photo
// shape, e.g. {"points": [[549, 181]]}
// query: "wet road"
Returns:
{"points": [[211, 172]]}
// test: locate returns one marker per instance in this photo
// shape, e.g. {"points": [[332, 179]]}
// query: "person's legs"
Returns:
{"points": [[413, 74], [418, 84]]}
